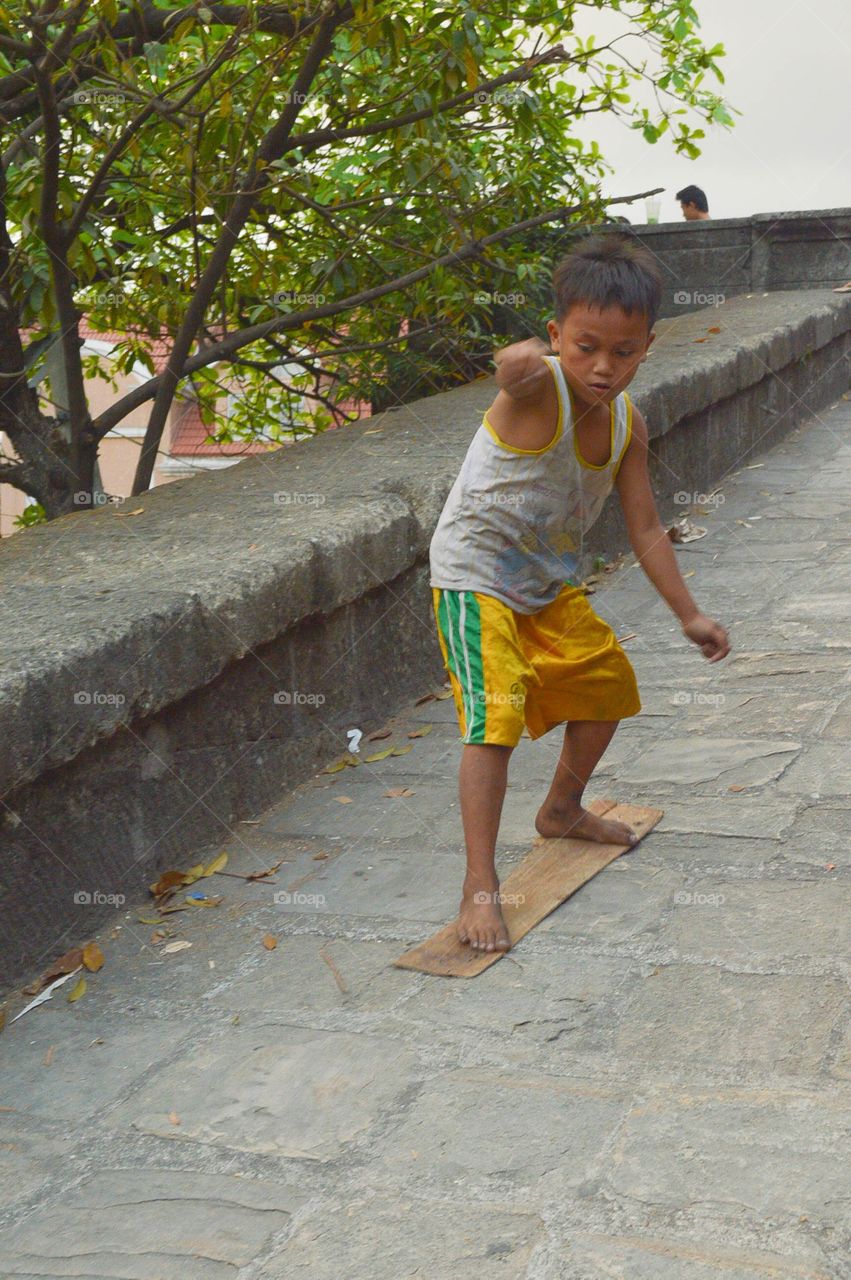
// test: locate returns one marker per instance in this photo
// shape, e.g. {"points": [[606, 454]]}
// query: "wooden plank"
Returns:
{"points": [[547, 876]]}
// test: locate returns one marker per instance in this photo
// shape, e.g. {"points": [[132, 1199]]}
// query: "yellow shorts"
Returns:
{"points": [[508, 669]]}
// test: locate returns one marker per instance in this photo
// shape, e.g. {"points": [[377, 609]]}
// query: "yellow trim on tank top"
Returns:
{"points": [[593, 466], [628, 432], [558, 431]]}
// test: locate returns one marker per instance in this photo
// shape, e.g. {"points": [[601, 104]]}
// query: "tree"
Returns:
{"points": [[275, 185]]}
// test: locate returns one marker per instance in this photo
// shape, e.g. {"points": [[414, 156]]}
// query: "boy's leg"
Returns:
{"points": [[482, 782], [479, 643], [562, 813]]}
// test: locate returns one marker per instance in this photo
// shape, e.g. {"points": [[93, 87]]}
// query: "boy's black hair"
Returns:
{"points": [[694, 195], [609, 271]]}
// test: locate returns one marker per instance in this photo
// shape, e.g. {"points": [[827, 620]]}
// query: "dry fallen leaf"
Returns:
{"points": [[136, 512], [398, 791], [343, 799], [171, 947], [379, 755], [385, 733], [427, 697], [92, 957], [830, 866], [736, 787], [261, 875], [447, 693], [174, 1118], [401, 751], [48, 1057], [270, 942], [421, 733], [319, 857], [714, 329], [335, 767], [79, 990], [216, 865]]}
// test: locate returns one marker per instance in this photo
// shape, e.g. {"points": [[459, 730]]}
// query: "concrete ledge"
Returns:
{"points": [[147, 657]]}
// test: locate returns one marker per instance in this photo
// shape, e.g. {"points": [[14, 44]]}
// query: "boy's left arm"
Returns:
{"points": [[654, 549]]}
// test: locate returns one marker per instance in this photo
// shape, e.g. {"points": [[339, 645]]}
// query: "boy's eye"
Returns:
{"points": [[584, 346]]}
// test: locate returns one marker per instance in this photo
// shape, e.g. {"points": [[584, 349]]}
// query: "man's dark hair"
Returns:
{"points": [[694, 195], [609, 271]]}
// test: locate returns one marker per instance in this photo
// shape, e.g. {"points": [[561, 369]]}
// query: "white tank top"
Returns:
{"points": [[513, 523]]}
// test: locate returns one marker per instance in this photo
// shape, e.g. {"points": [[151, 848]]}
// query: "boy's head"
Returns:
{"points": [[607, 295], [693, 203]]}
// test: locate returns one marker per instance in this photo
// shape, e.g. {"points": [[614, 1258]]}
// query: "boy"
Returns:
{"points": [[519, 640]]}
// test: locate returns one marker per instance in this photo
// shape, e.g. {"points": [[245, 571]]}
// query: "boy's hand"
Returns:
{"points": [[709, 634]]}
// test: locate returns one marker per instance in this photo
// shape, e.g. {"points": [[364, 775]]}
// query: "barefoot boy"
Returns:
{"points": [[519, 640]]}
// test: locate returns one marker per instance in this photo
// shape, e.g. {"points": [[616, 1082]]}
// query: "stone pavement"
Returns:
{"points": [[655, 1084]]}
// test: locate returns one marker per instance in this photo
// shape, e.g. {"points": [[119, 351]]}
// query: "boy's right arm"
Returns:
{"points": [[520, 371]]}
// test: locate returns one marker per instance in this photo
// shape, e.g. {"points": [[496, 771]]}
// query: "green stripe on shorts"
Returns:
{"points": [[461, 619]]}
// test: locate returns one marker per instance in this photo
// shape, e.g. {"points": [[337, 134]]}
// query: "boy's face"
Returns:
{"points": [[600, 350]]}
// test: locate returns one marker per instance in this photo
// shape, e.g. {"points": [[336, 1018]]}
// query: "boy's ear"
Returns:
{"points": [[553, 331], [650, 342]]}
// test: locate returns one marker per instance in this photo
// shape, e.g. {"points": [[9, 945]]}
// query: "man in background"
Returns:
{"points": [[693, 203]]}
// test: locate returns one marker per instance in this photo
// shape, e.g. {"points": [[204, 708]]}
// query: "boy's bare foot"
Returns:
{"points": [[555, 824], [480, 920]]}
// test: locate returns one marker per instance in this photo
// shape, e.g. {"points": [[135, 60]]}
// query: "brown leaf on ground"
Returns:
{"points": [[427, 697], [378, 755], [261, 875], [737, 786], [270, 941], [174, 1118], [343, 799], [65, 964], [92, 957], [394, 792], [48, 1057], [384, 733], [421, 733], [402, 751]]}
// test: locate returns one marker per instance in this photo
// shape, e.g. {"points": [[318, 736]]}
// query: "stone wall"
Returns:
{"points": [[725, 257], [173, 665]]}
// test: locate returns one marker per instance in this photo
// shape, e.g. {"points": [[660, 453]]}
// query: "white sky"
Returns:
{"points": [[788, 69]]}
